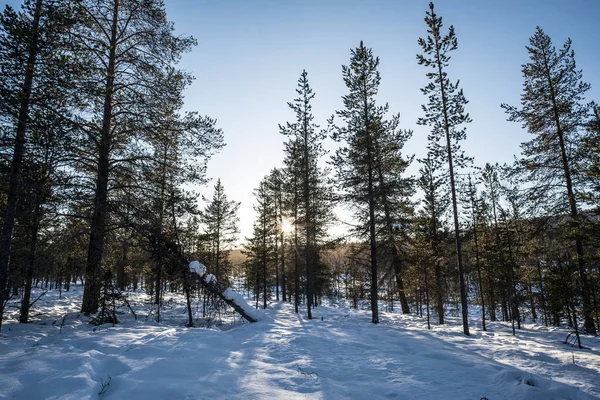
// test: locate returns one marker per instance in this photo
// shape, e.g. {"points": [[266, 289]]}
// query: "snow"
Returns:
{"points": [[210, 278], [198, 268], [338, 354]]}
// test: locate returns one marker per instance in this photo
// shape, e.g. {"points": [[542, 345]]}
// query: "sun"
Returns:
{"points": [[287, 226]]}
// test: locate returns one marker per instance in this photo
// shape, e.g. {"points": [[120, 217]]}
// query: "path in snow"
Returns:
{"points": [[343, 356]]}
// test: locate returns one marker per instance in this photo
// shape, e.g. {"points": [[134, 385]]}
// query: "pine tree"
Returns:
{"points": [[293, 165], [260, 247], [473, 206], [591, 152], [498, 251], [445, 113], [33, 60], [276, 183], [394, 190], [220, 217], [554, 112], [306, 135], [369, 167], [130, 51], [355, 164], [43, 181], [431, 227]]}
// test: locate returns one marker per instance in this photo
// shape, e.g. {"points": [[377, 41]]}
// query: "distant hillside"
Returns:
{"points": [[236, 257]]}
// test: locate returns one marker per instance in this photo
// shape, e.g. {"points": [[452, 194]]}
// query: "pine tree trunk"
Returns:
{"points": [[492, 298], [401, 291], [542, 294], [308, 224], [283, 281], [588, 320], [15, 171], [371, 201], [296, 260], [121, 279], [264, 262], [477, 261], [426, 272], [461, 273], [276, 267], [480, 281], [25, 303], [93, 282], [396, 260], [459, 260], [505, 316], [439, 292], [531, 301], [515, 300]]}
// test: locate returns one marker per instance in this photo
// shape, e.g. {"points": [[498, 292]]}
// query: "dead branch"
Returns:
{"points": [[104, 384], [39, 297]]}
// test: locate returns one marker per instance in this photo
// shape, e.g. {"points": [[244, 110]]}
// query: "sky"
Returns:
{"points": [[250, 55]]}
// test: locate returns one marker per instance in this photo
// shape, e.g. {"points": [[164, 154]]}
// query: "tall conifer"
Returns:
{"points": [[445, 114]]}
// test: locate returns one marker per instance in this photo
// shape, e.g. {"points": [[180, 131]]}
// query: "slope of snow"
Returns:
{"points": [[337, 355]]}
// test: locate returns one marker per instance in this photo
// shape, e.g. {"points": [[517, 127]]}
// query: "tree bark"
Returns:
{"points": [[93, 282], [30, 268]]}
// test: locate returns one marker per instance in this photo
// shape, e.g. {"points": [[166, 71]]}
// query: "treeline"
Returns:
{"points": [[97, 158], [96, 153], [519, 241]]}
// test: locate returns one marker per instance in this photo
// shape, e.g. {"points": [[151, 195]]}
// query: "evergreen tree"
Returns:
{"points": [[445, 114], [554, 112], [355, 164], [473, 206], [498, 250], [33, 62], [395, 207], [276, 187], [591, 151], [293, 164], [308, 139], [221, 226], [369, 167], [260, 247], [130, 50], [432, 229], [43, 181]]}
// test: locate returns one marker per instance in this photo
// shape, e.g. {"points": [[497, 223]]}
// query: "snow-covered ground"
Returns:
{"points": [[337, 355]]}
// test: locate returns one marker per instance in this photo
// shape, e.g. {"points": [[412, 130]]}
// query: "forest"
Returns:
{"points": [[99, 166]]}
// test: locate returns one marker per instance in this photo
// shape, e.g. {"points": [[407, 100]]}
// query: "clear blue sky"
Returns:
{"points": [[251, 53]]}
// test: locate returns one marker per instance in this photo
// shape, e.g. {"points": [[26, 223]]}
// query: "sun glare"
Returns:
{"points": [[287, 226]]}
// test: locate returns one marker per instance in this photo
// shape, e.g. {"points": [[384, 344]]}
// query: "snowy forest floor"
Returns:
{"points": [[337, 355]]}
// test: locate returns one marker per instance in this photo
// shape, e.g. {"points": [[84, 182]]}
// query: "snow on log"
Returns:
{"points": [[235, 300], [234, 296], [197, 268]]}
